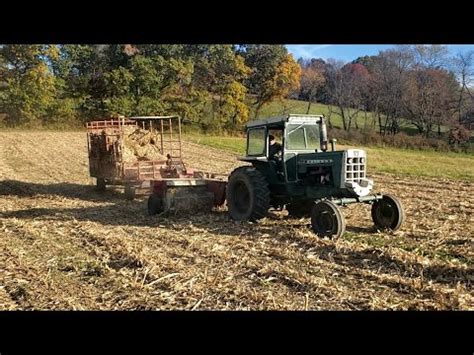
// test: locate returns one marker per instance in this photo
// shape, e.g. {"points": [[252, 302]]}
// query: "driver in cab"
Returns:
{"points": [[275, 147]]}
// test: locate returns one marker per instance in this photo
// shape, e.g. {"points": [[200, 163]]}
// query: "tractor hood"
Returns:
{"points": [[342, 169]]}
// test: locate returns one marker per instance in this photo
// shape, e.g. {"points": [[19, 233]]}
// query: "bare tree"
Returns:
{"points": [[388, 84], [429, 99], [345, 85], [463, 67], [312, 80], [430, 56]]}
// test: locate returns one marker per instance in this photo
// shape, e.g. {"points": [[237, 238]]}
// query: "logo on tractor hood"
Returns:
{"points": [[317, 161]]}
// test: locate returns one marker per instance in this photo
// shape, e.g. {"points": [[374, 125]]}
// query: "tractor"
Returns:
{"points": [[304, 177]]}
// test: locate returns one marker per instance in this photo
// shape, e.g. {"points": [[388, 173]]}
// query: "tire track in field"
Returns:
{"points": [[63, 237], [170, 243]]}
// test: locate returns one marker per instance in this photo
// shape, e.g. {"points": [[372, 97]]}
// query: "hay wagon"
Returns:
{"points": [[133, 151], [144, 154]]}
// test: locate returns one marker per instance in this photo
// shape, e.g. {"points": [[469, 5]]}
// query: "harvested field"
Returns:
{"points": [[65, 246]]}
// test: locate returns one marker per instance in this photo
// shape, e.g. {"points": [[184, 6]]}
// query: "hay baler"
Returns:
{"points": [[186, 191], [171, 185]]}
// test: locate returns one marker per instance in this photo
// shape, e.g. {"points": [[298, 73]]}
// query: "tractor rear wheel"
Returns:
{"points": [[155, 205], [388, 213], [247, 194], [327, 220], [100, 184], [300, 209]]}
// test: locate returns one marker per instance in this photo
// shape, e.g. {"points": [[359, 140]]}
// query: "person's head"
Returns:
{"points": [[271, 138]]}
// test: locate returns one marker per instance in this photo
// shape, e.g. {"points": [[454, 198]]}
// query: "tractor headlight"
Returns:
{"points": [[362, 160], [349, 160]]}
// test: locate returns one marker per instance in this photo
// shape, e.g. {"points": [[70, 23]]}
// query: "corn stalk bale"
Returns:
{"points": [[140, 144]]}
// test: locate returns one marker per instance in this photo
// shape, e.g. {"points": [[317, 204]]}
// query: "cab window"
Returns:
{"points": [[256, 141], [302, 137]]}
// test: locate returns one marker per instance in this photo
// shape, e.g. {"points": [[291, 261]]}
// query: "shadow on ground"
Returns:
{"points": [[69, 190]]}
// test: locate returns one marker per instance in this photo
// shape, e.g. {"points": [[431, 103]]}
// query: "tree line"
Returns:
{"points": [[421, 85], [47, 84], [223, 86]]}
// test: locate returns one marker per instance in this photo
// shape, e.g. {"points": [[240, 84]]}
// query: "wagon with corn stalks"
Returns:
{"points": [[144, 154]]}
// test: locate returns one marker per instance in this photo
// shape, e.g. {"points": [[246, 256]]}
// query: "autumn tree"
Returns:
{"points": [[29, 89], [227, 73], [152, 85], [82, 69], [274, 73], [368, 61], [428, 56], [287, 79]]}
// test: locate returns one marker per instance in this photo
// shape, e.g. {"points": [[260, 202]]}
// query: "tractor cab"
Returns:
{"points": [[277, 142], [294, 132]]}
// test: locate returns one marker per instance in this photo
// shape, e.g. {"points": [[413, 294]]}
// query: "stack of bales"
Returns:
{"points": [[140, 144]]}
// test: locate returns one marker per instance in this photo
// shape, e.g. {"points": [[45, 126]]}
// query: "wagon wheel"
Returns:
{"points": [[388, 213], [129, 191], [327, 220], [100, 184], [155, 205]]}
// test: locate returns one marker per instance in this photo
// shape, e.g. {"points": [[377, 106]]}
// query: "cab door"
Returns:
{"points": [[257, 142], [290, 165]]}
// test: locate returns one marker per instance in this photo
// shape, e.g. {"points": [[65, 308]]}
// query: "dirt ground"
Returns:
{"points": [[65, 246]]}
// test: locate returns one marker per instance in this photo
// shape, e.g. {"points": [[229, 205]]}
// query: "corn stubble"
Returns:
{"points": [[64, 246]]}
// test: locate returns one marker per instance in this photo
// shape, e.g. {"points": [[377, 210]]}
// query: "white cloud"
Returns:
{"points": [[306, 50]]}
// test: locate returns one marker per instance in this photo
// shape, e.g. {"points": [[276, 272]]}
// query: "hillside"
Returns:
{"points": [[401, 162], [297, 106]]}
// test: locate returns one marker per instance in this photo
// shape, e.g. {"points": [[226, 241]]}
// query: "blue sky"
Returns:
{"points": [[349, 52]]}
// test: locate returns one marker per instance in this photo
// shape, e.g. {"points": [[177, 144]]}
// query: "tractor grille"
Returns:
{"points": [[355, 165]]}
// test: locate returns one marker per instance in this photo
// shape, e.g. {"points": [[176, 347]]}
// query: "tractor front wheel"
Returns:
{"points": [[327, 220], [247, 194], [388, 213]]}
